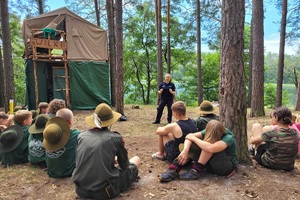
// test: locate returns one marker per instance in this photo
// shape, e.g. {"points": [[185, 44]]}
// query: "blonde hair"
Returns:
{"points": [[21, 116], [214, 131], [297, 120]]}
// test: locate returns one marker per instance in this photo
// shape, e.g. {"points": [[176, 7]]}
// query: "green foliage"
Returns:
{"points": [[140, 53], [210, 79], [270, 96], [271, 69], [18, 62]]}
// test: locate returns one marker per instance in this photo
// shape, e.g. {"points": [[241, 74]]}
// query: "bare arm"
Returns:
{"points": [[256, 139], [208, 147], [183, 156], [165, 130]]}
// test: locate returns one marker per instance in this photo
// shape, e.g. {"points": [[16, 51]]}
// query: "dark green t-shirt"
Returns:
{"points": [[231, 151], [61, 163], [36, 149]]}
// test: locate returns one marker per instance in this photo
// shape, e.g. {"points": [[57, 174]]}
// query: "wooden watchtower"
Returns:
{"points": [[42, 48]]}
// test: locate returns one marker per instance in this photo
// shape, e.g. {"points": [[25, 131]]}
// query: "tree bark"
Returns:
{"points": [[112, 50], [7, 55], [257, 99], [2, 82], [168, 37], [232, 87], [97, 12], [281, 54], [199, 63], [119, 58], [41, 6], [159, 41], [250, 66]]}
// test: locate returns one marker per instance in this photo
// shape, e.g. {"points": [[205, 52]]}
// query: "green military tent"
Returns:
{"points": [[65, 58]]}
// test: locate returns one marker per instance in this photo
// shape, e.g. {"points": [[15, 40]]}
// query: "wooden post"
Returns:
{"points": [[35, 85], [67, 84]]}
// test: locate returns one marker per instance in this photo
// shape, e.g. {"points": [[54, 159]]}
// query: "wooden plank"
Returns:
{"points": [[47, 43]]}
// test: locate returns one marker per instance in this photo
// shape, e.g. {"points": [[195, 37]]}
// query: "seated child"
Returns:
{"points": [[60, 143], [36, 149], [206, 112], [54, 106], [103, 169], [19, 153], [43, 108], [171, 135], [276, 147], [213, 150], [10, 139], [6, 120]]}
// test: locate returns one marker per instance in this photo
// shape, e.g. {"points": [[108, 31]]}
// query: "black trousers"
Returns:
{"points": [[160, 109]]}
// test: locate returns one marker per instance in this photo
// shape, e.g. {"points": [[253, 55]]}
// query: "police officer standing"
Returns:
{"points": [[166, 92]]}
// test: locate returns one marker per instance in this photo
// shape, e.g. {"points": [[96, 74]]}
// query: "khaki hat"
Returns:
{"points": [[206, 107], [39, 124], [56, 134], [103, 116], [10, 138]]}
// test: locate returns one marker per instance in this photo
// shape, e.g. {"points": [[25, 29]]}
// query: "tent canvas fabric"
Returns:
{"points": [[86, 41], [89, 84]]}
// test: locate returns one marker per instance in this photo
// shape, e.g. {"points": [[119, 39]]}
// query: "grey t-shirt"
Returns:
{"points": [[95, 157]]}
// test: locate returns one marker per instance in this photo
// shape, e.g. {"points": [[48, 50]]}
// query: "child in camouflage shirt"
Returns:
{"points": [[276, 147]]}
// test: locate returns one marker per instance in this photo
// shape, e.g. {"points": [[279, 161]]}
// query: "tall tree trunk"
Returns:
{"points": [[119, 58], [257, 99], [7, 55], [250, 66], [199, 63], [2, 82], [232, 88], [112, 51], [41, 6], [159, 41], [97, 12], [168, 37], [281, 54]]}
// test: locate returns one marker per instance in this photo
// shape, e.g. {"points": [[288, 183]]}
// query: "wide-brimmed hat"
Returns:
{"points": [[56, 134], [39, 124], [103, 116], [10, 138], [206, 107]]}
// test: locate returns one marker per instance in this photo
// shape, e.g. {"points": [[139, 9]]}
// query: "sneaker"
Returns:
{"points": [[190, 175], [155, 122], [169, 175]]}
